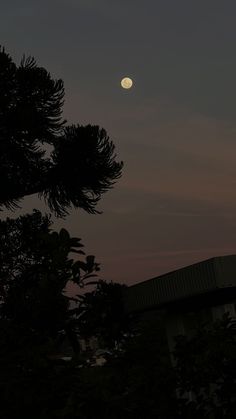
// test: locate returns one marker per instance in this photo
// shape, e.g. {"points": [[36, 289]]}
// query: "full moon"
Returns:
{"points": [[126, 83]]}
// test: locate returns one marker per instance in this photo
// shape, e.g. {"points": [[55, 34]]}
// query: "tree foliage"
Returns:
{"points": [[101, 313], [35, 266], [82, 164], [69, 166], [139, 383], [206, 370], [35, 269]]}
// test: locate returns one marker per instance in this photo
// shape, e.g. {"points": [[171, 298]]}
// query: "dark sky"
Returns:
{"points": [[175, 129]]}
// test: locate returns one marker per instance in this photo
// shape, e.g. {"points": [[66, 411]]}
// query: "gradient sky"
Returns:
{"points": [[175, 130]]}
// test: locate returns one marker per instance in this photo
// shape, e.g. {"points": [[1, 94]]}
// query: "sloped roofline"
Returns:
{"points": [[197, 279]]}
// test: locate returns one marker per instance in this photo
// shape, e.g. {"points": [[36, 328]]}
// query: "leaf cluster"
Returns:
{"points": [[206, 367], [69, 166]]}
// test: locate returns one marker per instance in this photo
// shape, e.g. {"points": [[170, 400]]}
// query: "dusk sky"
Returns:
{"points": [[175, 129]]}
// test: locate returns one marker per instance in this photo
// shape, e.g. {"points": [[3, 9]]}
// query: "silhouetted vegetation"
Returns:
{"points": [[81, 166], [206, 370], [35, 314], [36, 266], [101, 314], [34, 269], [137, 381]]}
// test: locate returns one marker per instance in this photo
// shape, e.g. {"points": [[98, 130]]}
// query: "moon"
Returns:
{"points": [[126, 83]]}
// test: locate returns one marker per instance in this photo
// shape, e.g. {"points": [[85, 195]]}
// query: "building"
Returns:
{"points": [[195, 294]]}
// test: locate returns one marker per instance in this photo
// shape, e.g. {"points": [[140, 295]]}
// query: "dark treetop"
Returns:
{"points": [[82, 164]]}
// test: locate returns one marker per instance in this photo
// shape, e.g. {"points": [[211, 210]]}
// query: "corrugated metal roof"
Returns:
{"points": [[202, 277]]}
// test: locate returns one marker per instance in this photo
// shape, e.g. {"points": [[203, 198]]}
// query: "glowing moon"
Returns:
{"points": [[126, 83]]}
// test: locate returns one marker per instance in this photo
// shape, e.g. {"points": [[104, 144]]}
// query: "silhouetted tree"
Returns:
{"points": [[206, 370], [139, 383], [101, 313], [149, 377], [35, 268], [82, 164]]}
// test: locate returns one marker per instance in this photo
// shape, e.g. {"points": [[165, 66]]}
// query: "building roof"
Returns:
{"points": [[208, 276]]}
